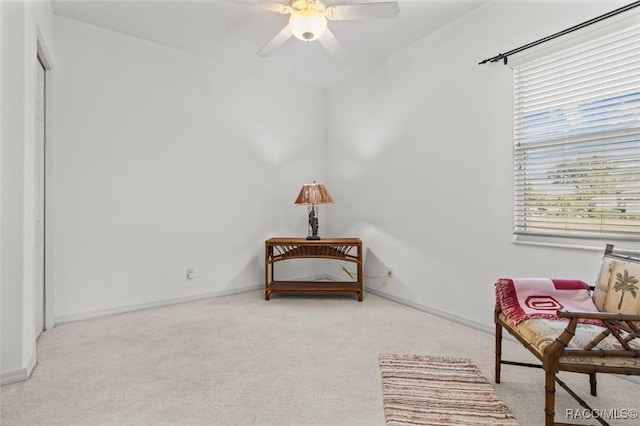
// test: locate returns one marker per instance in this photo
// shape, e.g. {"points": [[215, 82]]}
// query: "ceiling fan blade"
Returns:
{"points": [[272, 6], [332, 45], [275, 42], [285, 9], [350, 12]]}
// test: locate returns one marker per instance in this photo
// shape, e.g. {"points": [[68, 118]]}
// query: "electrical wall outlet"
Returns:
{"points": [[190, 274]]}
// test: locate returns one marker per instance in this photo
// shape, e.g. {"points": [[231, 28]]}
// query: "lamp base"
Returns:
{"points": [[313, 237]]}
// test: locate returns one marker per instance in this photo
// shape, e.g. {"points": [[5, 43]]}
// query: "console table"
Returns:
{"points": [[279, 249]]}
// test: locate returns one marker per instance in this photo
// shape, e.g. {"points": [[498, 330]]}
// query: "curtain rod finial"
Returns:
{"points": [[495, 59]]}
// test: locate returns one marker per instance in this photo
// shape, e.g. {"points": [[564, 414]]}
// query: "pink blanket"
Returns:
{"points": [[526, 298]]}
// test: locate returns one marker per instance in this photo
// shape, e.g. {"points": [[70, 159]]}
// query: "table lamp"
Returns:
{"points": [[313, 195]]}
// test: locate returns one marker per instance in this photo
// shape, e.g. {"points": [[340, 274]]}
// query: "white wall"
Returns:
{"points": [[22, 24], [164, 160], [421, 147], [167, 160]]}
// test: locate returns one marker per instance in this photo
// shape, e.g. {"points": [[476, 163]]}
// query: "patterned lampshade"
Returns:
{"points": [[313, 194]]}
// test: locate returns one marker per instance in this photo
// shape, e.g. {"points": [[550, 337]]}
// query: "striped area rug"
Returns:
{"points": [[431, 390]]}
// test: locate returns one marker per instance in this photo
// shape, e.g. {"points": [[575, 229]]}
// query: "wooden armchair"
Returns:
{"points": [[604, 340]]}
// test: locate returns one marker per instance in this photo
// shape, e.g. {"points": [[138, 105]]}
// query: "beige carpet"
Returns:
{"points": [[435, 390], [240, 360]]}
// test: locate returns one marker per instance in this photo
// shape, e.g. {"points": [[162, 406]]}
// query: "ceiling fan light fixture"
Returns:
{"points": [[308, 21], [308, 24]]}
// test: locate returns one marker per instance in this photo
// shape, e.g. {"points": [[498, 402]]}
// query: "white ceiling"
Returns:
{"points": [[234, 30]]}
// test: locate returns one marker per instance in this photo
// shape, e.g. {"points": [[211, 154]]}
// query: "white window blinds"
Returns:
{"points": [[577, 141]]}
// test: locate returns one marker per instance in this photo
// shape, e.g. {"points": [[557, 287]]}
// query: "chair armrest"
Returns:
{"points": [[604, 316]]}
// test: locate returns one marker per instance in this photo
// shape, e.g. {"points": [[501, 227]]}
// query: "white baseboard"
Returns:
{"points": [[19, 375], [139, 307], [14, 376], [437, 312], [131, 308]]}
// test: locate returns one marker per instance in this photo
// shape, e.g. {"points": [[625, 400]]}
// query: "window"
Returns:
{"points": [[577, 141]]}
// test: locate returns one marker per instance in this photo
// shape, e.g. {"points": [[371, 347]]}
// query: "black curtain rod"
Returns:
{"points": [[504, 56]]}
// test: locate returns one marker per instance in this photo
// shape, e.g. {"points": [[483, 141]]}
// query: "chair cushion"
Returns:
{"points": [[542, 332], [618, 285]]}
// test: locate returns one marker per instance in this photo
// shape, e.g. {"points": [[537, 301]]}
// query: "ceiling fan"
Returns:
{"points": [[308, 21]]}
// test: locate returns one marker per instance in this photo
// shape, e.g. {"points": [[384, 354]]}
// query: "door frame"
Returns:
{"points": [[44, 55], [39, 126]]}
